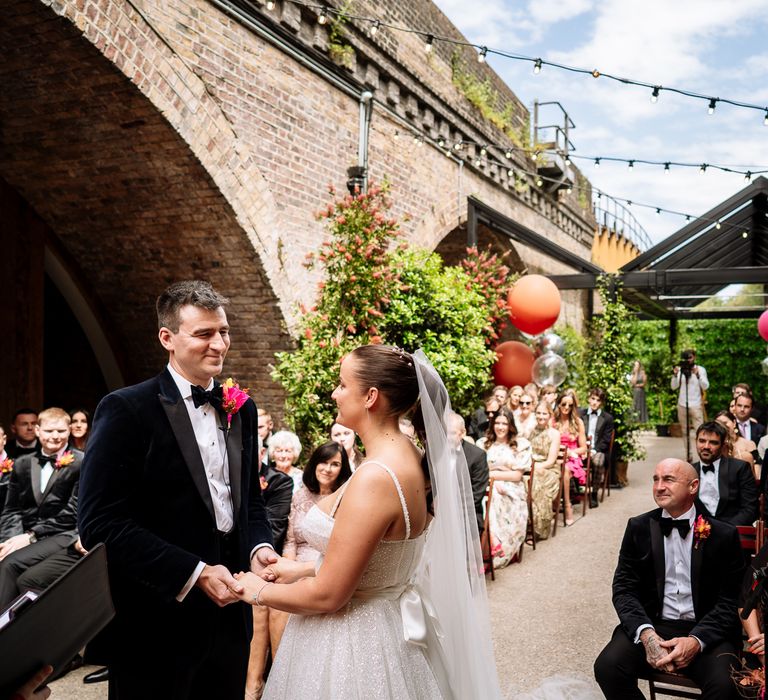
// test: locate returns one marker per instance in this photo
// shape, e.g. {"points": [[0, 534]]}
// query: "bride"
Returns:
{"points": [[396, 606]]}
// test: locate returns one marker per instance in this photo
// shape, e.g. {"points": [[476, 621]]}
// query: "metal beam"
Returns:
{"points": [[516, 231], [669, 279]]}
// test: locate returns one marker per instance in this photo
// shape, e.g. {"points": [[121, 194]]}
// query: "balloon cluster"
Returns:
{"points": [[762, 329], [534, 305]]}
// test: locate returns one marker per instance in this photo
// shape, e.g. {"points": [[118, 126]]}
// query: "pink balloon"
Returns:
{"points": [[762, 325]]}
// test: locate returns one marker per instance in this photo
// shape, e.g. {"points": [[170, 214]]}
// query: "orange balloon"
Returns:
{"points": [[534, 304], [514, 363]]}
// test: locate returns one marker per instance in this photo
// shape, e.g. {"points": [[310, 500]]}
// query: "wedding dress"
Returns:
{"points": [[359, 652]]}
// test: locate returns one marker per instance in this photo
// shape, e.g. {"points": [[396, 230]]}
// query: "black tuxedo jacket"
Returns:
{"points": [[717, 567], [477, 461], [47, 512], [756, 431], [277, 492], [14, 451], [738, 504], [144, 492], [603, 429]]}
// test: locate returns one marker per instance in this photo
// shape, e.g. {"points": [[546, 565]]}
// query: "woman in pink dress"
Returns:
{"points": [[573, 437]]}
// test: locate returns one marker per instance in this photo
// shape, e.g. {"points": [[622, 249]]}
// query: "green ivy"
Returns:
{"points": [[610, 354]]}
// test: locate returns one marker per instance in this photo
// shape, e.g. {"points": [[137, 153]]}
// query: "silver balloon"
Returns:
{"points": [[549, 369], [764, 366], [550, 342]]}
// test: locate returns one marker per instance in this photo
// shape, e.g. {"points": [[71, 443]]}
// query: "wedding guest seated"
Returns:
{"points": [[548, 393], [284, 449], [268, 625], [514, 395], [23, 437], [525, 421], [599, 426], [41, 502], [545, 446], [477, 464], [509, 457], [573, 437], [265, 427], [80, 421], [478, 423], [753, 624], [6, 467], [749, 428], [675, 594], [735, 444], [347, 438], [728, 490]]}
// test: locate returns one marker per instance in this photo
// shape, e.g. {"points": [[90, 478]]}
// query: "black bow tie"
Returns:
{"points": [[593, 413], [682, 526], [706, 468], [213, 397], [46, 459]]}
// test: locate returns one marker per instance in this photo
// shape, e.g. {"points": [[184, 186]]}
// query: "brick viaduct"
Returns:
{"points": [[144, 142]]}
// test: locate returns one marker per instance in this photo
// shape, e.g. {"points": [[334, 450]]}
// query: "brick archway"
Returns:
{"points": [[140, 182]]}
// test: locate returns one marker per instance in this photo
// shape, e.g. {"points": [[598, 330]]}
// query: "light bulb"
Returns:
{"points": [[482, 54], [717, 225], [483, 150], [703, 168], [375, 27], [537, 66], [631, 165], [508, 154], [747, 176], [712, 105], [270, 5], [666, 167], [655, 95], [428, 44], [765, 120], [322, 18], [597, 163]]}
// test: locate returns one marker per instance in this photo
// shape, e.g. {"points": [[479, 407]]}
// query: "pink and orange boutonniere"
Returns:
{"points": [[6, 466], [232, 399], [65, 460], [701, 531]]}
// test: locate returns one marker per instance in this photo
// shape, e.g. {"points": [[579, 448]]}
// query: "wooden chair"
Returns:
{"points": [[673, 685], [608, 465], [530, 533], [557, 502], [485, 537], [588, 469], [748, 537]]}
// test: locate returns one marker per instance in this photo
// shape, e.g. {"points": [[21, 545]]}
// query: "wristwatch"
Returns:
{"points": [[32, 536]]}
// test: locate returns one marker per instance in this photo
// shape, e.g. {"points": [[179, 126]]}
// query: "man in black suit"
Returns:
{"points": [[175, 496], [675, 594], [477, 463], [24, 438], [748, 428], [598, 424], [41, 504], [727, 489]]}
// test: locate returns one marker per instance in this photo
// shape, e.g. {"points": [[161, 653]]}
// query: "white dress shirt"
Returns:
{"points": [[592, 417], [695, 386], [709, 487], [678, 591], [47, 471]]}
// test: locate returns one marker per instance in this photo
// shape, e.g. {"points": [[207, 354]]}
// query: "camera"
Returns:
{"points": [[687, 363]]}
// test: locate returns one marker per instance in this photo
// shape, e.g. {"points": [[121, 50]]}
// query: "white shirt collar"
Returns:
{"points": [[689, 514], [184, 385]]}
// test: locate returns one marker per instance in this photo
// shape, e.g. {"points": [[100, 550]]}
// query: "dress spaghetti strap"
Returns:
{"points": [[406, 516]]}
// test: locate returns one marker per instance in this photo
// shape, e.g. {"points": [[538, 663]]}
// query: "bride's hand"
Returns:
{"points": [[288, 571], [252, 586]]}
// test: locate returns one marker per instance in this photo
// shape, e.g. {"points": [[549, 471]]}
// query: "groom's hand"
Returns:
{"points": [[262, 558], [219, 585]]}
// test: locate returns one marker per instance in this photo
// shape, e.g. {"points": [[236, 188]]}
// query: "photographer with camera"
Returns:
{"points": [[691, 380]]}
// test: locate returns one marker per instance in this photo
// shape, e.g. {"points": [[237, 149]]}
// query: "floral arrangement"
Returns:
{"points": [[64, 460], [6, 466], [233, 398], [701, 531]]}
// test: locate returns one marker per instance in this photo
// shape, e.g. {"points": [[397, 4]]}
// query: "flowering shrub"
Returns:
{"points": [[378, 290]]}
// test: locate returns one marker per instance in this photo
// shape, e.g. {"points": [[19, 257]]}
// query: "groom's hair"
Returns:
{"points": [[189, 292]]}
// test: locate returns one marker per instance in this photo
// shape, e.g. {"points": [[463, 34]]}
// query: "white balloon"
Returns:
{"points": [[550, 342], [549, 369]]}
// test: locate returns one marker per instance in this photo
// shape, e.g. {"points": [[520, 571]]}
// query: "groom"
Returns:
{"points": [[178, 503]]}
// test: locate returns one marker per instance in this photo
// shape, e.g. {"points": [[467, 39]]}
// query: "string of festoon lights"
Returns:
{"points": [[326, 14], [485, 155]]}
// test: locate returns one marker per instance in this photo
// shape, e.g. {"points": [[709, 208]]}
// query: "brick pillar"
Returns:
{"points": [[22, 234]]}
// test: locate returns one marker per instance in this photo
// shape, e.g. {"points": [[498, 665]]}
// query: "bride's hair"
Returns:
{"points": [[392, 371]]}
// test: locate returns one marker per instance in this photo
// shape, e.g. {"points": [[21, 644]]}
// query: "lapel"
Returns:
{"points": [[34, 477], [176, 410], [697, 560], [234, 443], [722, 484], [657, 552]]}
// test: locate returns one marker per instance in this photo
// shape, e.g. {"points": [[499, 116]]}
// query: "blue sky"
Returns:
{"points": [[715, 47]]}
